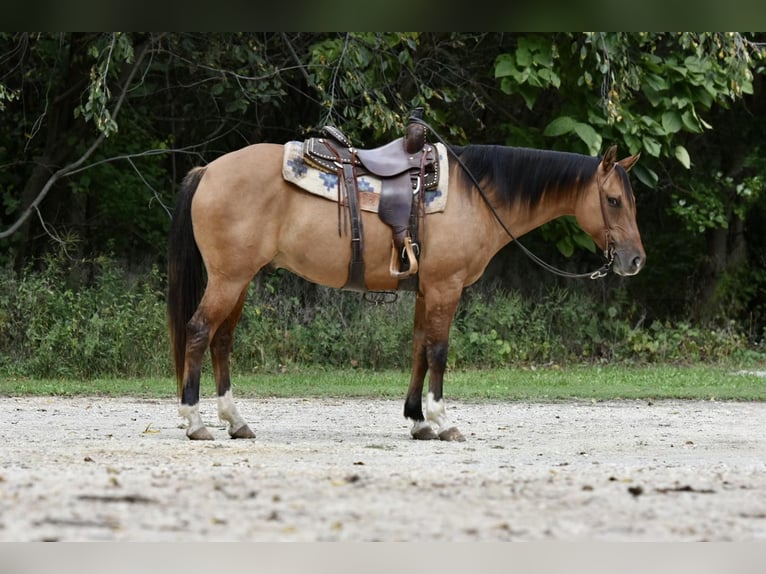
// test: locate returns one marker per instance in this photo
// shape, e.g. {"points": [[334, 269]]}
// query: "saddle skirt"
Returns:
{"points": [[295, 170]]}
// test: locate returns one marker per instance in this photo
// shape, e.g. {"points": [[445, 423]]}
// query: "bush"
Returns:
{"points": [[92, 319], [56, 325], [494, 328], [288, 321]]}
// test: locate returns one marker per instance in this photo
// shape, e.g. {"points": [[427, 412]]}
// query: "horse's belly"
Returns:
{"points": [[311, 246]]}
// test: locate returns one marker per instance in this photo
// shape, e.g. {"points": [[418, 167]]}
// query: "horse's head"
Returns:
{"points": [[607, 213]]}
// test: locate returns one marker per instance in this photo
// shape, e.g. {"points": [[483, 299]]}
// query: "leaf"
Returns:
{"points": [[682, 156], [507, 85], [543, 55], [529, 95], [560, 126], [671, 122], [653, 96], [657, 83], [505, 65], [523, 55], [549, 78], [585, 241], [633, 142], [589, 136], [652, 146], [645, 175], [565, 246], [690, 122], [696, 65]]}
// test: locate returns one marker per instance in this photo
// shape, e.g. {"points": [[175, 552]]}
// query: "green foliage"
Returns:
{"points": [[54, 325], [565, 327], [740, 294], [6, 95], [288, 322], [529, 68], [563, 125], [108, 52], [134, 216], [567, 235], [113, 324], [690, 103], [652, 85], [683, 342], [709, 203], [353, 75]]}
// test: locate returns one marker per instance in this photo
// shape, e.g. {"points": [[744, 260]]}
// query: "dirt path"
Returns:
{"points": [[122, 469]]}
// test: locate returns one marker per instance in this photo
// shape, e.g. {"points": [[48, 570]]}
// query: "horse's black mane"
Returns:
{"points": [[526, 174]]}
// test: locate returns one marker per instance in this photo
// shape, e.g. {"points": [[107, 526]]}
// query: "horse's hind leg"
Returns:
{"points": [[220, 349], [216, 306], [197, 339]]}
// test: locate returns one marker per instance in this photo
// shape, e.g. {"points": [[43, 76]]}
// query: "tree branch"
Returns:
{"points": [[72, 167]]}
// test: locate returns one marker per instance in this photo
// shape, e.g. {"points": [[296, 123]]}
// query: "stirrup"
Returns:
{"points": [[394, 265]]}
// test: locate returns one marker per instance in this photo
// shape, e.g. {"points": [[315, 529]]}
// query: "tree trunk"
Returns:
{"points": [[58, 124], [727, 251]]}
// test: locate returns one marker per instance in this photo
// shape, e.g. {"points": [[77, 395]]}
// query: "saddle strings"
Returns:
{"points": [[609, 252]]}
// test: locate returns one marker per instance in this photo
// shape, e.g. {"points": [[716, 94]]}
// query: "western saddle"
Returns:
{"points": [[407, 167]]}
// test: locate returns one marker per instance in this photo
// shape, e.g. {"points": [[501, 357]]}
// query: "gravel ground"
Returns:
{"points": [[86, 469]]}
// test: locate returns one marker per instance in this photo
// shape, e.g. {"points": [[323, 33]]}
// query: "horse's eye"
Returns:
{"points": [[613, 201]]}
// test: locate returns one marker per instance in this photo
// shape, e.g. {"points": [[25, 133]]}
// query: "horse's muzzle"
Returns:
{"points": [[628, 262]]}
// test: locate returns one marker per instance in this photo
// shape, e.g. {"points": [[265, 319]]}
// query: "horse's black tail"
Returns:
{"points": [[185, 272]]}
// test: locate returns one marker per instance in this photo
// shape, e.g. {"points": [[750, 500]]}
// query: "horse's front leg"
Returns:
{"points": [[435, 409], [440, 310], [413, 404], [220, 350], [434, 312]]}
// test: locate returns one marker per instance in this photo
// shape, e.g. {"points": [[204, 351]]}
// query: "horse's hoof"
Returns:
{"points": [[200, 434], [452, 435], [425, 433], [242, 432]]}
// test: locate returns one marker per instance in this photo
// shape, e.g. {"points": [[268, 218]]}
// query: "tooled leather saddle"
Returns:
{"points": [[407, 166]]}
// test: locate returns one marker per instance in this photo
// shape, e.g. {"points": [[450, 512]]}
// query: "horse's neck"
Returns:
{"points": [[521, 219], [555, 192]]}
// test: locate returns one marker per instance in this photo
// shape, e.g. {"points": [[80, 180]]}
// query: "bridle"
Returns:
{"points": [[608, 243], [602, 271]]}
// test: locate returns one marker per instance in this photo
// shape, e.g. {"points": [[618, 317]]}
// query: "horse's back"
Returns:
{"points": [[247, 216], [256, 165]]}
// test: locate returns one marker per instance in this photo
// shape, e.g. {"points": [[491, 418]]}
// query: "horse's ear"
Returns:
{"points": [[629, 162], [610, 158]]}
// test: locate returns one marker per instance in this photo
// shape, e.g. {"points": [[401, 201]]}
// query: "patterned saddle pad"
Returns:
{"points": [[310, 179]]}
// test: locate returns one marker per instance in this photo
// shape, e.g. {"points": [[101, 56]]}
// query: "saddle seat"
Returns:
{"points": [[407, 166], [386, 161]]}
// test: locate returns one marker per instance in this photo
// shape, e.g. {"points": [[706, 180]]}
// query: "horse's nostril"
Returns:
{"points": [[637, 262]]}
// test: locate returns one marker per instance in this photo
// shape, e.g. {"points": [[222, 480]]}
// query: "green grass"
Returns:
{"points": [[587, 382]]}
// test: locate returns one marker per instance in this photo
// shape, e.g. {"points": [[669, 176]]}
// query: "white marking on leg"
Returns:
{"points": [[227, 411], [436, 413], [418, 426], [191, 413]]}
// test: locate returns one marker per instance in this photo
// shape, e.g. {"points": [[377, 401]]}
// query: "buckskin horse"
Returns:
{"points": [[238, 214]]}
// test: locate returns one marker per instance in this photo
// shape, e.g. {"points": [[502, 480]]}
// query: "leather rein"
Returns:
{"points": [[602, 271]]}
